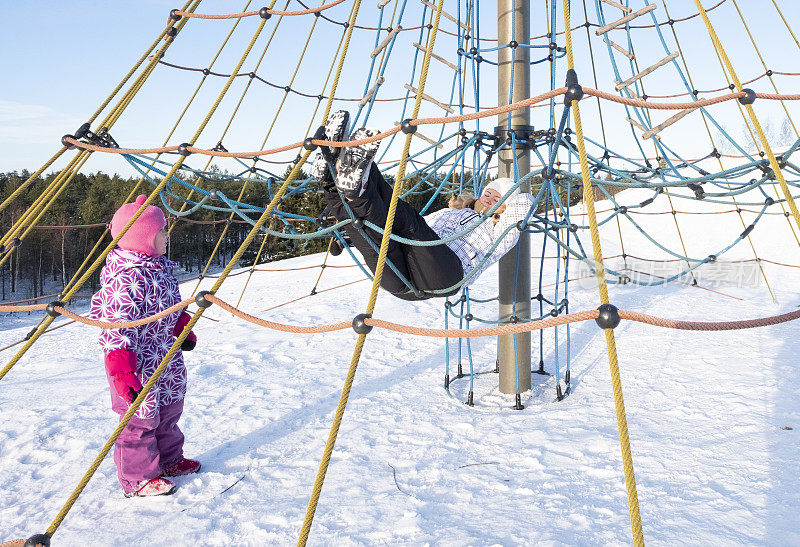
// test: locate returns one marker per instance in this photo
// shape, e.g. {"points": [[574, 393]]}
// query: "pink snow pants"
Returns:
{"points": [[146, 444]]}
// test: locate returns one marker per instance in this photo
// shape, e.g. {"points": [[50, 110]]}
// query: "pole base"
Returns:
{"points": [[518, 405]]}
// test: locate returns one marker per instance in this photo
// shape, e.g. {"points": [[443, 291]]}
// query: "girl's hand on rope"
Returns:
{"points": [[121, 368], [191, 340]]}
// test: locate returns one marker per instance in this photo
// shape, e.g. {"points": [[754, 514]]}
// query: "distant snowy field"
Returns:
{"points": [[708, 415]]}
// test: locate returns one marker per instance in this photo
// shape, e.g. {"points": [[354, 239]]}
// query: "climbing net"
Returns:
{"points": [[455, 149]]}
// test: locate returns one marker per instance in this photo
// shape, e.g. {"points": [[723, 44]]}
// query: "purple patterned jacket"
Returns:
{"points": [[135, 285]]}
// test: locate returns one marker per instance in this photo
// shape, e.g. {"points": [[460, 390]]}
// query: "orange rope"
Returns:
{"points": [[453, 119], [256, 12]]}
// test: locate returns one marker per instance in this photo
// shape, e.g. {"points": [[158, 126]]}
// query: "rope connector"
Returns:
{"points": [[201, 300], [38, 539], [769, 201], [712, 258], [183, 149], [264, 13], [469, 317], [173, 15], [68, 144], [213, 195], [172, 32], [407, 128], [609, 316], [749, 96], [51, 308], [358, 323], [309, 145], [574, 90]]}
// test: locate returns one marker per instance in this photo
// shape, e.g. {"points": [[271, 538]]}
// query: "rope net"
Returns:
{"points": [[601, 136]]}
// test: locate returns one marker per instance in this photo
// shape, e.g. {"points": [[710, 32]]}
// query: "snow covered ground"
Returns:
{"points": [[709, 417]]}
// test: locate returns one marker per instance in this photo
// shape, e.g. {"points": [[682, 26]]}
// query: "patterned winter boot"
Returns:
{"points": [[334, 130], [352, 167]]}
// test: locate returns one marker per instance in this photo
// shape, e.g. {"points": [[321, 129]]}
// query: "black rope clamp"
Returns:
{"points": [[609, 316], [749, 96], [264, 13], [219, 147], [407, 128], [68, 144], [172, 32], [174, 16], [213, 195], [769, 201], [200, 299], [183, 149], [38, 539], [574, 90], [699, 193], [51, 308], [309, 145], [358, 323]]}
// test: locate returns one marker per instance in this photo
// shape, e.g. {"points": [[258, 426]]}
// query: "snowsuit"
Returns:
{"points": [[135, 285], [434, 267]]}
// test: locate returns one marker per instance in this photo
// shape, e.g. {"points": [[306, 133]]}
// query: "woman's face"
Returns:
{"points": [[489, 197], [160, 242]]}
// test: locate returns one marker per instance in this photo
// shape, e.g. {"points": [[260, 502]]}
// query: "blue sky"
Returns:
{"points": [[61, 59]]}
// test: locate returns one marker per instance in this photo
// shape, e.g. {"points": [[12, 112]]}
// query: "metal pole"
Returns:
{"points": [[513, 23]]}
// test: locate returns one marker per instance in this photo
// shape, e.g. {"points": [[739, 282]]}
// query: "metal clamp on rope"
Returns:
{"points": [[38, 539], [609, 316], [201, 300], [574, 90], [407, 128], [358, 323], [51, 308], [749, 96]]}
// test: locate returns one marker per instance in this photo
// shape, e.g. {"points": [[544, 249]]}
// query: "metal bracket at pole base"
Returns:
{"points": [[470, 401], [541, 370], [518, 405]]}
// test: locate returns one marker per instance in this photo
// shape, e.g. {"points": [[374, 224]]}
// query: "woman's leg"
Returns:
{"points": [[426, 267], [370, 207]]}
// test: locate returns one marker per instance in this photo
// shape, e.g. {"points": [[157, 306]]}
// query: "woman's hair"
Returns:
{"points": [[462, 201], [467, 200]]}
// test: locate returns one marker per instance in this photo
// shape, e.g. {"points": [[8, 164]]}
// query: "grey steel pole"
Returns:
{"points": [[513, 23]]}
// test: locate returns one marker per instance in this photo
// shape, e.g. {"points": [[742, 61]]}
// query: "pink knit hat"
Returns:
{"points": [[141, 236]]}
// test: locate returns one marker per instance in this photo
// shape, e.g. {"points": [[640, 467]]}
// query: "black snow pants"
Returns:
{"points": [[426, 268]]}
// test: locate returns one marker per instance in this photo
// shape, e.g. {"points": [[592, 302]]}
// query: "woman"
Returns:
{"points": [[427, 268]]}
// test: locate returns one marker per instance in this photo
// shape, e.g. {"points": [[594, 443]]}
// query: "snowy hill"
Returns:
{"points": [[709, 417]]}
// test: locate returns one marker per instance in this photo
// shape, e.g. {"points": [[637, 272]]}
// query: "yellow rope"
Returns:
{"points": [[751, 113], [616, 383], [785, 22], [719, 161], [376, 283]]}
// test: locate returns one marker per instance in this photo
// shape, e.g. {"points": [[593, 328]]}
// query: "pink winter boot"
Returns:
{"points": [[181, 467], [158, 486]]}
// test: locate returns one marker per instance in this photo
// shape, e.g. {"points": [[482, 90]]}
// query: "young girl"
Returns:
{"points": [[427, 268], [137, 282]]}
